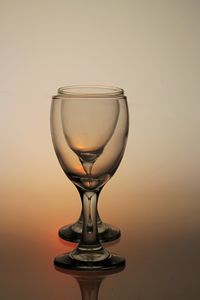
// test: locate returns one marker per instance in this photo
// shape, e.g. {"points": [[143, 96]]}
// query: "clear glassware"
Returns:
{"points": [[89, 126]]}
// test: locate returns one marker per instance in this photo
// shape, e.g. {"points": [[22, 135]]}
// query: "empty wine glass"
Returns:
{"points": [[89, 126]]}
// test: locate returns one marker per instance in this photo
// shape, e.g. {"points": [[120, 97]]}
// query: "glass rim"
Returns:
{"points": [[91, 91]]}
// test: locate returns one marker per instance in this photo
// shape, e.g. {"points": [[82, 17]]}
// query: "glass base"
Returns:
{"points": [[66, 261], [72, 232]]}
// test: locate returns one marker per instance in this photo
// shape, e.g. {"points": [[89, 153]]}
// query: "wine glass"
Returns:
{"points": [[89, 126]]}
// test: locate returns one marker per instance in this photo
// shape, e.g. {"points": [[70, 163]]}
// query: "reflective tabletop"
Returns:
{"points": [[162, 256]]}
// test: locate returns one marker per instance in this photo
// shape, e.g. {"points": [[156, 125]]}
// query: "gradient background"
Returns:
{"points": [[152, 50]]}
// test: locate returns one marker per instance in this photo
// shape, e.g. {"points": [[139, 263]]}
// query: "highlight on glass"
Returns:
{"points": [[89, 127]]}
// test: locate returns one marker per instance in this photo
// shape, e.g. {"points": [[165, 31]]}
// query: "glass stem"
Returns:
{"points": [[89, 249], [80, 220], [90, 231]]}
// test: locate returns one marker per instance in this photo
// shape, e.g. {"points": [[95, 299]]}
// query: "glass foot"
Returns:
{"points": [[72, 232], [112, 262]]}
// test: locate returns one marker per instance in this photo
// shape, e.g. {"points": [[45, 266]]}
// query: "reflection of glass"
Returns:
{"points": [[90, 282], [89, 126]]}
